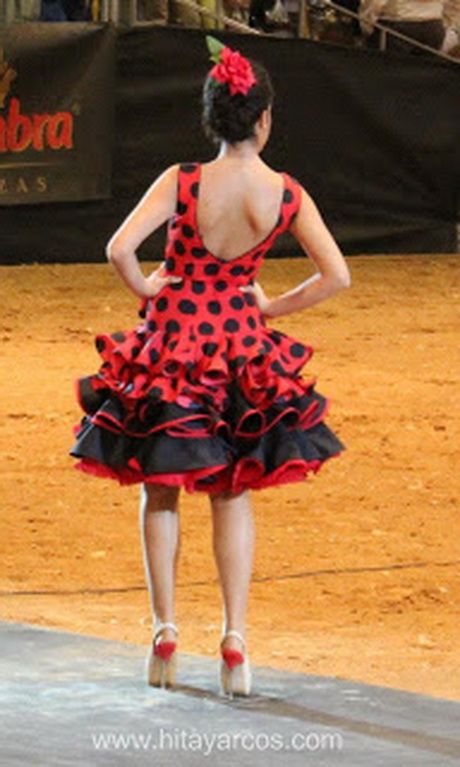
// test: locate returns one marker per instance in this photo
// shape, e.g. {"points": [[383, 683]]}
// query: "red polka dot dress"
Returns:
{"points": [[202, 394]]}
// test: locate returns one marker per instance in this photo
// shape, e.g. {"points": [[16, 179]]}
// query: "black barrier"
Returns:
{"points": [[374, 137]]}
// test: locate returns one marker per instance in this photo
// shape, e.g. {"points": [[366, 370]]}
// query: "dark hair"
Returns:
{"points": [[233, 118]]}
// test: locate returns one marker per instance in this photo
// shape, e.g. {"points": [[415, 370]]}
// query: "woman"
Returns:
{"points": [[203, 395]]}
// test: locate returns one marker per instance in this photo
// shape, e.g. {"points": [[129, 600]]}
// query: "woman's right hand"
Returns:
{"points": [[263, 303], [158, 280]]}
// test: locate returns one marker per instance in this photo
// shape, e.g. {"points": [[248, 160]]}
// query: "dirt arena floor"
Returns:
{"points": [[357, 570]]}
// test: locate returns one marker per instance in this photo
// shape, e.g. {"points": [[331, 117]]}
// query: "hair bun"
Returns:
{"points": [[232, 118]]}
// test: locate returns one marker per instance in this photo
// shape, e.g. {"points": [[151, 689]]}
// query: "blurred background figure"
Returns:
{"points": [[65, 10], [164, 12], [435, 23], [19, 10]]}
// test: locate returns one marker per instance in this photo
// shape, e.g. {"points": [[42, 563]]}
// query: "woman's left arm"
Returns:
{"points": [[318, 243]]}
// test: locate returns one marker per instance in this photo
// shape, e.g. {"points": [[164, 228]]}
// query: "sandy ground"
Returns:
{"points": [[356, 572]]}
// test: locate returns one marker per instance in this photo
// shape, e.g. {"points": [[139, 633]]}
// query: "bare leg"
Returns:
{"points": [[233, 539], [159, 522]]}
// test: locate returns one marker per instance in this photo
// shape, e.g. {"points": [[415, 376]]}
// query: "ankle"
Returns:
{"points": [[165, 631], [232, 639]]}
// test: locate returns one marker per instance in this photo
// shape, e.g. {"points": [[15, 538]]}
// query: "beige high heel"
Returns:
{"points": [[235, 670], [162, 659]]}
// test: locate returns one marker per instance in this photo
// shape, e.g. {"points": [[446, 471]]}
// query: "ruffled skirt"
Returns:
{"points": [[219, 416]]}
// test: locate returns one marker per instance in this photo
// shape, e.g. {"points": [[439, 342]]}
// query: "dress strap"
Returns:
{"points": [[291, 201], [188, 181]]}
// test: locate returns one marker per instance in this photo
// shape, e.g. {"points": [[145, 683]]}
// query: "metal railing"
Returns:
{"points": [[385, 32], [127, 12]]}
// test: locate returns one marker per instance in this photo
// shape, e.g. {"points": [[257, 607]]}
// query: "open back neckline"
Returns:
{"points": [[259, 245]]}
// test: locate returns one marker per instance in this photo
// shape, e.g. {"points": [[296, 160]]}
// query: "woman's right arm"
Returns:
{"points": [[157, 206]]}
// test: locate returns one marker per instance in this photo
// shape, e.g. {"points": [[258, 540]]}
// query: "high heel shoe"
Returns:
{"points": [[162, 660], [235, 671]]}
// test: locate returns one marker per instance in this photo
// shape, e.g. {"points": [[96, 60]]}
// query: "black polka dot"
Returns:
{"points": [[288, 196], [171, 367], [250, 300], [170, 264], [100, 344], [205, 329], [187, 307], [214, 307], [221, 285], [188, 167], [199, 252], [211, 269], [162, 304], [258, 361], [119, 337], [271, 391], [209, 349], [154, 356], [249, 341], [182, 208], [176, 286], [237, 303], [231, 326], [152, 325], [235, 271], [267, 346], [257, 255], [297, 350], [172, 345], [187, 231], [277, 367], [172, 326], [135, 351], [189, 268], [198, 287], [194, 189], [252, 323], [179, 247], [237, 362], [276, 338], [156, 392]]}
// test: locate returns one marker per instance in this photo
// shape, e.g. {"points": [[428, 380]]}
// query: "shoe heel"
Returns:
{"points": [[162, 659], [162, 670], [235, 673]]}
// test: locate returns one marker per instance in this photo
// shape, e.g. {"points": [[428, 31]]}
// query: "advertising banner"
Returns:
{"points": [[56, 112]]}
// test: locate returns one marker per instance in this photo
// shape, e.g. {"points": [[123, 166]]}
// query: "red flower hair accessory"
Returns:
{"points": [[230, 67]]}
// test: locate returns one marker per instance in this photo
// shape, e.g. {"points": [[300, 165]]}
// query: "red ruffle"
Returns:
{"points": [[245, 475]]}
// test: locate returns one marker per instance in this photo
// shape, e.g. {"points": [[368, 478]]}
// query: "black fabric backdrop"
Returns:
{"points": [[374, 137]]}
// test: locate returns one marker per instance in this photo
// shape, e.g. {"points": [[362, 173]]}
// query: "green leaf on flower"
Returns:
{"points": [[215, 47]]}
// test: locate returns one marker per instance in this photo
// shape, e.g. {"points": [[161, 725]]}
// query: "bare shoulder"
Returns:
{"points": [[308, 211], [168, 178], [163, 190]]}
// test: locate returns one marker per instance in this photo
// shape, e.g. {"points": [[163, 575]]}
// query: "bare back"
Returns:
{"points": [[238, 205]]}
